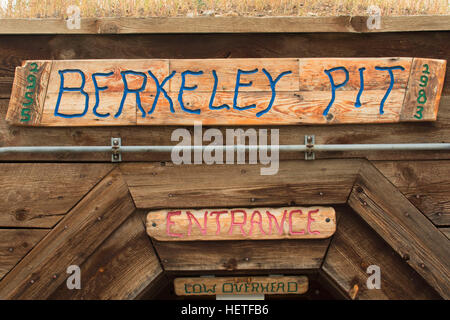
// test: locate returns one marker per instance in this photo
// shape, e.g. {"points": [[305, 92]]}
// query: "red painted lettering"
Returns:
{"points": [[218, 213], [259, 222], [192, 217], [234, 223], [292, 232], [169, 223], [310, 219]]}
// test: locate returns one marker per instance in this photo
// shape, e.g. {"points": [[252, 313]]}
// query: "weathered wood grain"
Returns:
{"points": [[424, 44], [403, 227], [71, 242], [424, 90], [187, 46], [29, 92], [445, 231], [241, 285], [15, 244], [372, 94], [242, 224], [241, 255], [354, 248], [388, 133], [120, 268], [39, 195], [241, 24], [214, 186], [426, 184]]}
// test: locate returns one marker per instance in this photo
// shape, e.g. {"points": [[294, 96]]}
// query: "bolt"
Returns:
{"points": [[365, 203], [252, 200], [417, 196], [116, 156], [422, 265], [10, 249], [115, 142], [31, 281], [99, 218], [327, 220], [247, 259], [309, 139], [153, 224], [320, 193], [165, 260], [359, 189], [406, 214], [65, 227], [55, 276]]}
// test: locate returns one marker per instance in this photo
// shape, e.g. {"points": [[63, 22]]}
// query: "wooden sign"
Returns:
{"points": [[242, 224], [226, 91], [241, 285]]}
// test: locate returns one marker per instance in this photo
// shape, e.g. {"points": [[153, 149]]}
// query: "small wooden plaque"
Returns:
{"points": [[241, 285], [242, 224]]}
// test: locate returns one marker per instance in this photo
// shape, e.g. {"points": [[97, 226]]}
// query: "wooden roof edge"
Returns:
{"points": [[225, 24]]}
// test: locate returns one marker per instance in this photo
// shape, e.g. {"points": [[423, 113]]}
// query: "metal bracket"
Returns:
{"points": [[310, 140], [116, 155]]}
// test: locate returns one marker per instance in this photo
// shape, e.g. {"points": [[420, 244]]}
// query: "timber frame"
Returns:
{"points": [[100, 227]]}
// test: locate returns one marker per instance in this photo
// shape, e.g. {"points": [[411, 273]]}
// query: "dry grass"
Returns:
{"points": [[167, 8]]}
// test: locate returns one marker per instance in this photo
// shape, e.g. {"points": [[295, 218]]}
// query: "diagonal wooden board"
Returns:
{"points": [[226, 91], [242, 224]]}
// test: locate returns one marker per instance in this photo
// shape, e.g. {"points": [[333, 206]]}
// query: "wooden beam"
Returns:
{"points": [[38, 195], [403, 227], [122, 267], [153, 186], [15, 244], [424, 183], [445, 231], [126, 25], [241, 255], [71, 242], [355, 247]]}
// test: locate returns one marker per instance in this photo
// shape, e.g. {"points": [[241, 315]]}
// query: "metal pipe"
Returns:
{"points": [[301, 148]]}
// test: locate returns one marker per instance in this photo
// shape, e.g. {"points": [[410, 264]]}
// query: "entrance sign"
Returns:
{"points": [[226, 91], [241, 285], [242, 224]]}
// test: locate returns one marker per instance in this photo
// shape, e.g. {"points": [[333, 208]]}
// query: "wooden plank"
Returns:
{"points": [[242, 224], [122, 267], [186, 46], [424, 183], [129, 25], [403, 227], [445, 231], [424, 90], [241, 285], [354, 248], [374, 88], [241, 255], [214, 186], [71, 242], [39, 195], [15, 244]]}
